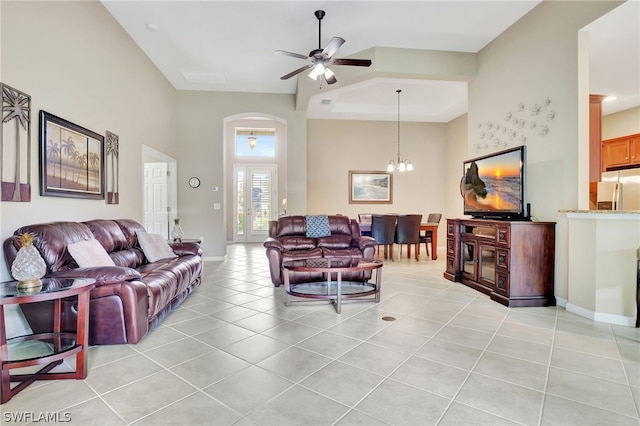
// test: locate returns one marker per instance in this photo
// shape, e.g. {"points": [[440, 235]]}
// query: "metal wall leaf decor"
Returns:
{"points": [[524, 124], [113, 170], [15, 168]]}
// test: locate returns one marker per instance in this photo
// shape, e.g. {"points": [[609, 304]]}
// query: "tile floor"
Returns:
{"points": [[233, 354]]}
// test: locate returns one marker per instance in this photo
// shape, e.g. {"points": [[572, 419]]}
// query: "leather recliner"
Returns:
{"points": [[288, 241]]}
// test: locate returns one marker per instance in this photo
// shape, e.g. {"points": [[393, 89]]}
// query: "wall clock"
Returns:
{"points": [[194, 182]]}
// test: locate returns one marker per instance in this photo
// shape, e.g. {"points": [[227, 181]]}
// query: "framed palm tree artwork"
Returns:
{"points": [[72, 159], [15, 145], [112, 187]]}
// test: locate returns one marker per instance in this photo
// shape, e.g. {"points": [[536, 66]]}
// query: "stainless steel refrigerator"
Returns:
{"points": [[619, 190]]}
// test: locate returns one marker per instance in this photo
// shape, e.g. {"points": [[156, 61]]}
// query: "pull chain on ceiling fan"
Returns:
{"points": [[319, 59]]}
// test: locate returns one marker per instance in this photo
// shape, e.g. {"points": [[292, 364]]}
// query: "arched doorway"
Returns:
{"points": [[255, 175]]}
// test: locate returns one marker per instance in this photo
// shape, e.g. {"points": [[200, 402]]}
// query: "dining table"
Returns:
{"points": [[365, 229]]}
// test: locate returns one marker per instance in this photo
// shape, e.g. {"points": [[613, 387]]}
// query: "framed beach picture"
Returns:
{"points": [[71, 159], [370, 187]]}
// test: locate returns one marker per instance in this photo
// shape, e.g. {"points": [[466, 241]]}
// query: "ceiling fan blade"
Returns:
{"points": [[352, 62], [294, 55], [296, 72], [333, 46]]}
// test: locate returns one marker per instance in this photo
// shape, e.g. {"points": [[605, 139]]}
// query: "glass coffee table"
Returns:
{"points": [[332, 287]]}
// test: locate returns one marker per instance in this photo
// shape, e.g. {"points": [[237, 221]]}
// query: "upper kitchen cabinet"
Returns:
{"points": [[621, 152]]}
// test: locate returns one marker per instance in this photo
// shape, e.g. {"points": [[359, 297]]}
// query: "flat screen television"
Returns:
{"points": [[493, 186]]}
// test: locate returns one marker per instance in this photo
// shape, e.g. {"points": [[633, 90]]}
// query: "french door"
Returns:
{"points": [[254, 201]]}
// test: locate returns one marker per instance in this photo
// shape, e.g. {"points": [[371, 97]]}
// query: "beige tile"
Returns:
{"points": [[591, 391], [561, 411], [294, 363], [291, 332], [342, 382], [298, 406], [121, 372], [399, 404], [329, 344], [178, 352], [93, 412], [224, 336], [132, 401], [506, 400], [247, 389], [256, 348], [513, 370], [464, 336], [592, 365], [460, 414], [396, 339], [449, 353], [530, 333], [522, 349], [209, 368], [195, 409], [374, 358], [601, 346], [431, 376]]}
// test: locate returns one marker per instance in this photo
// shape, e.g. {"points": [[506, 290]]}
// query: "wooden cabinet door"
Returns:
{"points": [[615, 153], [634, 149]]}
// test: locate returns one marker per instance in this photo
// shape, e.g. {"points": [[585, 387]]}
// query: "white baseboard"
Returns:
{"points": [[601, 317], [215, 258]]}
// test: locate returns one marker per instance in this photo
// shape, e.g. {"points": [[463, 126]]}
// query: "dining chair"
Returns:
{"points": [[427, 237], [408, 232], [364, 220], [383, 230]]}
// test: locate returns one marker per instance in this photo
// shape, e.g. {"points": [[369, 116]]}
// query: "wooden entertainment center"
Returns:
{"points": [[511, 261]]}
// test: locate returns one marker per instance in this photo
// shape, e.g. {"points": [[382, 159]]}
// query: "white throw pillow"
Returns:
{"points": [[155, 247], [88, 253]]}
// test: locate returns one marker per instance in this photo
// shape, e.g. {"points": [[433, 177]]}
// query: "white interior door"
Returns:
{"points": [[254, 200], [155, 203]]}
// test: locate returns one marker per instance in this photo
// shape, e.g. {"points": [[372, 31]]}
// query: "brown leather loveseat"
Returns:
{"points": [[130, 298], [289, 240]]}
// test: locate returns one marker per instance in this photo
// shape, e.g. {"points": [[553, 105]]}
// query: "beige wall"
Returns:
{"points": [[536, 58], [87, 71], [200, 119], [338, 146], [621, 123]]}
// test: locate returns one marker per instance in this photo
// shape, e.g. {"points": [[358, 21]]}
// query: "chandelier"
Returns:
{"points": [[252, 141], [399, 164]]}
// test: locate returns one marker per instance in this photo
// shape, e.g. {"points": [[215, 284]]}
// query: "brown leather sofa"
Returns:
{"points": [[288, 241], [129, 299]]}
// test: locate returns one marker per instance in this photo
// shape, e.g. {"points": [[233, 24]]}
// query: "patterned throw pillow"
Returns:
{"points": [[318, 226]]}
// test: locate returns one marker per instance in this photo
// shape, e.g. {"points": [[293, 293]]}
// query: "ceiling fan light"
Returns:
{"points": [[313, 74], [319, 68], [328, 73]]}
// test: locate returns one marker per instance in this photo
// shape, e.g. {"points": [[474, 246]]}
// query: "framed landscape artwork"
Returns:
{"points": [[370, 187], [71, 159]]}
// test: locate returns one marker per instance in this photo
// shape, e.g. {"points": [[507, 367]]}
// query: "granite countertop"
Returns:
{"points": [[601, 211]]}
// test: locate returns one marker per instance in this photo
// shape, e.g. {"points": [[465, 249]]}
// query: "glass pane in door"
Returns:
{"points": [[240, 207], [261, 199]]}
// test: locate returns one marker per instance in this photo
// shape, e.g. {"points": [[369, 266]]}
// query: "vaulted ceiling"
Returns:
{"points": [[229, 46]]}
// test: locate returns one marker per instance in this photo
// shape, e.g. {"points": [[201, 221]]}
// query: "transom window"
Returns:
{"points": [[258, 142]]}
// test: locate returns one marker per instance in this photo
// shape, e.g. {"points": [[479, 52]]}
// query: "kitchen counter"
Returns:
{"points": [[601, 211], [602, 264]]}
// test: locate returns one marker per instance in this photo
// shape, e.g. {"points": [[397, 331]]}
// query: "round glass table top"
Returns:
{"points": [[49, 285], [332, 263]]}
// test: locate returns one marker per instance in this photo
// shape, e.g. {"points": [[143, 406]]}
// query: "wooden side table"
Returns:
{"points": [[49, 349]]}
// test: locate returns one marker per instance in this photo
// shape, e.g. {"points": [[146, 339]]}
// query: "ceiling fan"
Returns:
{"points": [[319, 59]]}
